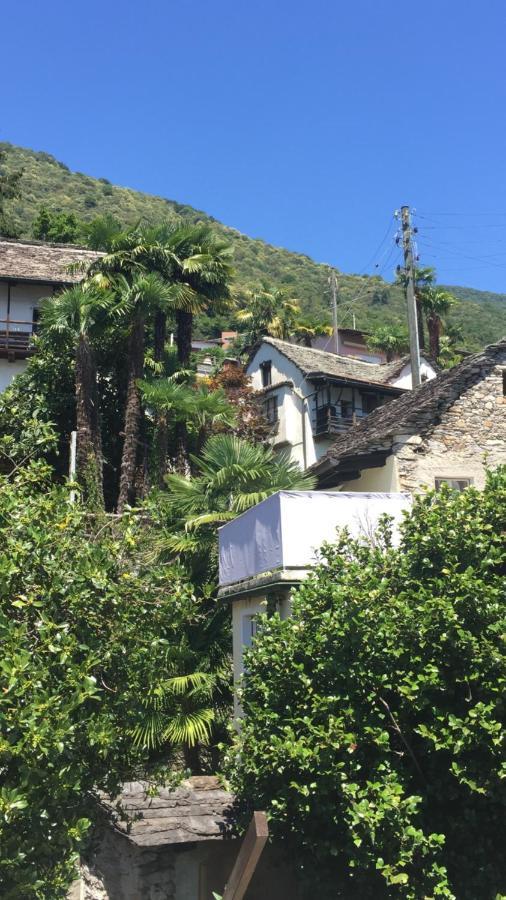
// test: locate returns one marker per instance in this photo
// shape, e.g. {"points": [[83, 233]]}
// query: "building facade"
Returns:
{"points": [[310, 396], [450, 430], [30, 271]]}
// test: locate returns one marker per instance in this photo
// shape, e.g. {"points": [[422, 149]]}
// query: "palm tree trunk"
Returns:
{"points": [[184, 322], [434, 328], [161, 425], [132, 415], [89, 441]]}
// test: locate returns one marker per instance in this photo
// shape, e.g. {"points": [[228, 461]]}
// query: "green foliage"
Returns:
{"points": [[55, 226], [231, 476], [390, 340], [10, 189], [374, 718], [90, 626], [375, 302]]}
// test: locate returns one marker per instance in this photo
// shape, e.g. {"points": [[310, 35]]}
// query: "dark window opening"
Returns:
{"points": [[266, 373], [271, 409], [504, 382], [370, 402], [456, 484]]}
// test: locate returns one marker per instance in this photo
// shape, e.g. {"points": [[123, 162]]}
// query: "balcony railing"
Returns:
{"points": [[326, 420], [16, 336]]}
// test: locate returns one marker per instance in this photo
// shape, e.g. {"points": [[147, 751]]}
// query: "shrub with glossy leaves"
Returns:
{"points": [[374, 717], [88, 630]]}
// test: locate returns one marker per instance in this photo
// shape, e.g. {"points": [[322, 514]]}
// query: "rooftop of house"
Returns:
{"points": [[199, 809], [37, 261], [412, 413], [320, 363]]}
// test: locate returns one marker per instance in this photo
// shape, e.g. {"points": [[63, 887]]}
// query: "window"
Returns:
{"points": [[456, 484], [346, 409], [266, 373], [504, 382], [370, 402], [249, 630], [271, 409]]}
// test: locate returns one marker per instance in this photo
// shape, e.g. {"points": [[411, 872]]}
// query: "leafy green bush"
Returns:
{"points": [[374, 718], [89, 628]]}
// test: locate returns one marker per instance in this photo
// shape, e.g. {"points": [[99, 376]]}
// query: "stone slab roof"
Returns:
{"points": [[198, 810], [412, 413], [41, 262], [322, 363]]}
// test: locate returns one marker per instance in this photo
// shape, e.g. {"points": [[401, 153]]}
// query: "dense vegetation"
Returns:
{"points": [[47, 182], [373, 728]]}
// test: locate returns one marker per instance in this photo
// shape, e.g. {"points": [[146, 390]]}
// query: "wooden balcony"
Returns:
{"points": [[16, 338], [327, 420]]}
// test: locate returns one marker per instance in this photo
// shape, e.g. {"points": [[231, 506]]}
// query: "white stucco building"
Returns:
{"points": [[29, 271], [310, 396]]}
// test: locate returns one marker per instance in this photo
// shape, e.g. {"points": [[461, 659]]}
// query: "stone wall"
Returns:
{"points": [[470, 438]]}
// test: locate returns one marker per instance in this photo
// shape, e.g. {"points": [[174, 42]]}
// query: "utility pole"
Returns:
{"points": [[414, 347], [333, 292]]}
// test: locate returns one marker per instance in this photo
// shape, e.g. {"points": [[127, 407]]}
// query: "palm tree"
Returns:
{"points": [[78, 311], [139, 299], [231, 475], [305, 330], [435, 304], [195, 404], [191, 256], [390, 340], [424, 278], [269, 312]]}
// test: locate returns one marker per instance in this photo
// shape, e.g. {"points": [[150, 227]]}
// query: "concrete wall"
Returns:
{"points": [[243, 610], [384, 478], [9, 369], [404, 379]]}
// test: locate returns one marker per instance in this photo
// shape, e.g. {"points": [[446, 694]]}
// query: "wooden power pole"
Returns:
{"points": [[414, 347], [249, 854]]}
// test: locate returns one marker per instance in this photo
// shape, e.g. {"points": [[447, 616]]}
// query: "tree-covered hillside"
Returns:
{"points": [[481, 316]]}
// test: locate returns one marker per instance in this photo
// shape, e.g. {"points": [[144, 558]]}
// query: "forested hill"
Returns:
{"points": [[481, 315]]}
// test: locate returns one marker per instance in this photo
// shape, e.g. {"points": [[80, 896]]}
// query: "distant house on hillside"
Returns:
{"points": [[310, 396], [29, 271], [448, 430], [350, 342]]}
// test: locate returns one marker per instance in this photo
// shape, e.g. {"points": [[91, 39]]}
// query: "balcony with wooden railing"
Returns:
{"points": [[329, 420], [16, 337]]}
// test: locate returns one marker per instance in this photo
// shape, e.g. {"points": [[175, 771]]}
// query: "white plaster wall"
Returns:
{"points": [[24, 299], [384, 478], [404, 379], [8, 370]]}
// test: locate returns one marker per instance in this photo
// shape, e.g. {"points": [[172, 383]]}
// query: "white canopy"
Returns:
{"points": [[286, 530]]}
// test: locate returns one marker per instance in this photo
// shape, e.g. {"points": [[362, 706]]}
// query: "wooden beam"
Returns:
{"points": [[254, 842]]}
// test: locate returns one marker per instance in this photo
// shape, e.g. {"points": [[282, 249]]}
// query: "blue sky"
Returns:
{"points": [[303, 123]]}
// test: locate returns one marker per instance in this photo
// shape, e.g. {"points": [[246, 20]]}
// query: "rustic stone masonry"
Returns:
{"points": [[470, 437]]}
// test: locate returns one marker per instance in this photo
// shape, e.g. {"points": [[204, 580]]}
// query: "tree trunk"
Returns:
{"points": [[89, 440], [132, 415], [184, 321], [161, 425], [434, 328]]}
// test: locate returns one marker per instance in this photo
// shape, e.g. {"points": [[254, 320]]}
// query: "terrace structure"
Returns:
{"points": [[271, 548]]}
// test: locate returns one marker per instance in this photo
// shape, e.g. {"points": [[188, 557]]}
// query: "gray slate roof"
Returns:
{"points": [[40, 262], [414, 412], [198, 810], [320, 362]]}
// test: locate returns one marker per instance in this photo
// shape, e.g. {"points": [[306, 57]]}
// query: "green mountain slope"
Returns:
{"points": [[481, 315]]}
